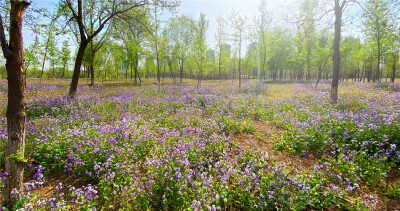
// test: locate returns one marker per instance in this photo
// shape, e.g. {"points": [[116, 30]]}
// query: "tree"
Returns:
{"points": [[336, 49], [181, 34], [200, 47], [52, 51], [322, 56], [394, 51], [75, 14], [171, 52], [131, 31], [65, 56], [156, 41], [308, 28], [239, 25], [50, 43], [31, 56], [220, 37], [262, 22], [13, 52], [376, 27]]}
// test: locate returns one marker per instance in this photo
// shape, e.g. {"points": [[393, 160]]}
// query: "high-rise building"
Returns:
{"points": [[227, 49], [252, 50], [211, 54]]}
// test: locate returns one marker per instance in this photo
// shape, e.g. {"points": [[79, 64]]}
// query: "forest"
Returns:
{"points": [[135, 105]]}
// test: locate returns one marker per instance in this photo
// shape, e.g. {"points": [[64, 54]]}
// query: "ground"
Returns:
{"points": [[216, 146]]}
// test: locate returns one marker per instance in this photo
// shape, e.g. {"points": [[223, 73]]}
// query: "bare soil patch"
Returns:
{"points": [[263, 140]]}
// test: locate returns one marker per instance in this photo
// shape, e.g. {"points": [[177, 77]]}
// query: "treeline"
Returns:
{"points": [[136, 44]]}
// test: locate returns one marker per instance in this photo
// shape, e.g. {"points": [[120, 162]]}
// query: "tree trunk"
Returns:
{"points": [[136, 67], [44, 60], [395, 57], [163, 75], [308, 59], [336, 50], [219, 67], [240, 74], [16, 118], [378, 70], [170, 69], [362, 73], [91, 74], [77, 68], [140, 80], [53, 69], [181, 68], [131, 69], [63, 72], [126, 74], [322, 69]]}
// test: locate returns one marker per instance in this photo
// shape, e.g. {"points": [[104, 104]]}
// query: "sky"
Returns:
{"points": [[214, 8], [211, 8]]}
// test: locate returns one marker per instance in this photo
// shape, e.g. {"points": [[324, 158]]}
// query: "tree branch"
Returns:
{"points": [[111, 16], [4, 45]]}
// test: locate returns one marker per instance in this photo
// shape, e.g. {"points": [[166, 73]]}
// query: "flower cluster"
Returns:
{"points": [[140, 148]]}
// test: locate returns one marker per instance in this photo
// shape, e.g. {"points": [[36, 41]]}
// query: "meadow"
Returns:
{"points": [[278, 147]]}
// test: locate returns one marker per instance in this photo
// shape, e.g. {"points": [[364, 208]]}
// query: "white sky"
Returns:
{"points": [[214, 8]]}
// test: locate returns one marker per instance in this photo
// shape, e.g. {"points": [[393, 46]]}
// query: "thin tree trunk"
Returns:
{"points": [[395, 58], [362, 73], [91, 74], [322, 69], [163, 76], [379, 56], [170, 69], [308, 60], [219, 67], [126, 74], [44, 60], [53, 69], [63, 72], [240, 74], [181, 68], [336, 50], [136, 66], [140, 80], [131, 69]]}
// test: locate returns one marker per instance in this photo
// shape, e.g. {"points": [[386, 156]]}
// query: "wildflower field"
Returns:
{"points": [[284, 146]]}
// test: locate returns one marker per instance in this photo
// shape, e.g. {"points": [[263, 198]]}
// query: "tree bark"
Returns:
{"points": [[336, 50], [77, 68], [16, 118]]}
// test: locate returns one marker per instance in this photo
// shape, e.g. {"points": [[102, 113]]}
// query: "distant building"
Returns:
{"points": [[227, 49], [252, 50], [211, 54]]}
